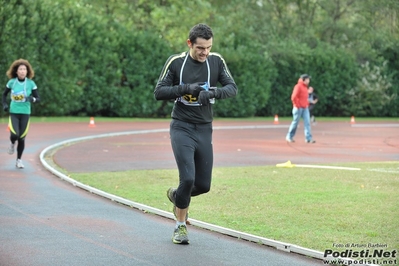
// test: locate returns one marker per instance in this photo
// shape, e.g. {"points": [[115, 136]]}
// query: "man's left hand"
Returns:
{"points": [[204, 96]]}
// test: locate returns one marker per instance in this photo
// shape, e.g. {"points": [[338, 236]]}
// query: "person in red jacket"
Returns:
{"points": [[299, 98]]}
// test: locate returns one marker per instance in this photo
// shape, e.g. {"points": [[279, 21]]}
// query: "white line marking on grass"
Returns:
{"points": [[385, 170], [288, 164], [327, 167]]}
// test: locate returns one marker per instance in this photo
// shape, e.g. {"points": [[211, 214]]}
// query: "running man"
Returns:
{"points": [[191, 79]]}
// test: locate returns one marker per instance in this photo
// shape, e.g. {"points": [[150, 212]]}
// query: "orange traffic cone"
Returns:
{"points": [[352, 119], [91, 124], [275, 119]]}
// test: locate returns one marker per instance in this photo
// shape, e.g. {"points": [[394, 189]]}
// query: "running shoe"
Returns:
{"points": [[180, 235], [11, 149], [290, 140], [171, 196], [310, 141], [19, 164]]}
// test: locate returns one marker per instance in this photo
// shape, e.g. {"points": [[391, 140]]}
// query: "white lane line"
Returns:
{"points": [[375, 125]]}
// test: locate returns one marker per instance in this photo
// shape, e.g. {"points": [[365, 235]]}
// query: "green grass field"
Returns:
{"points": [[312, 208]]}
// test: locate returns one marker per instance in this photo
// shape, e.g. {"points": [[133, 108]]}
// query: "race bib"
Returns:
{"points": [[193, 101], [18, 96]]}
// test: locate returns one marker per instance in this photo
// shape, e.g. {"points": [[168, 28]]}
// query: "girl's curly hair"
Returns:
{"points": [[12, 71]]}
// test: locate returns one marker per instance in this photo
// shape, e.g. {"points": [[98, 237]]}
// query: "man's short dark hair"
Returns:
{"points": [[305, 76], [200, 31]]}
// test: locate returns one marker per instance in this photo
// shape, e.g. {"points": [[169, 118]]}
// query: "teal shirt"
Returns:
{"points": [[19, 93]]}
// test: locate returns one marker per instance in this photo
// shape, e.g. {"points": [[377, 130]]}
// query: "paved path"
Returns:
{"points": [[46, 221]]}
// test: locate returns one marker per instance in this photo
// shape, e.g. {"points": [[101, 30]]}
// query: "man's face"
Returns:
{"points": [[22, 71], [200, 50], [307, 81], [310, 89]]}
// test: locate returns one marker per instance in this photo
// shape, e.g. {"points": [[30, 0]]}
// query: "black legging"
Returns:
{"points": [[193, 151], [19, 126], [311, 107]]}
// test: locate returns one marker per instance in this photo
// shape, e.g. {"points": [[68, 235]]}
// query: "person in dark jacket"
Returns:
{"points": [[194, 80], [312, 99]]}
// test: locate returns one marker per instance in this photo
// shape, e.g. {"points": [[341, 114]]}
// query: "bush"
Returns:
{"points": [[372, 92], [253, 72]]}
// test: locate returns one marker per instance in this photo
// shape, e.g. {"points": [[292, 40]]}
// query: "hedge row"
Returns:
{"points": [[86, 65]]}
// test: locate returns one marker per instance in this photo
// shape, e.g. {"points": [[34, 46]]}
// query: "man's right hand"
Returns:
{"points": [[5, 107], [192, 89]]}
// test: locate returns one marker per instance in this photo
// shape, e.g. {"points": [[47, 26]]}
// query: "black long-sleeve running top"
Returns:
{"points": [[182, 69]]}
